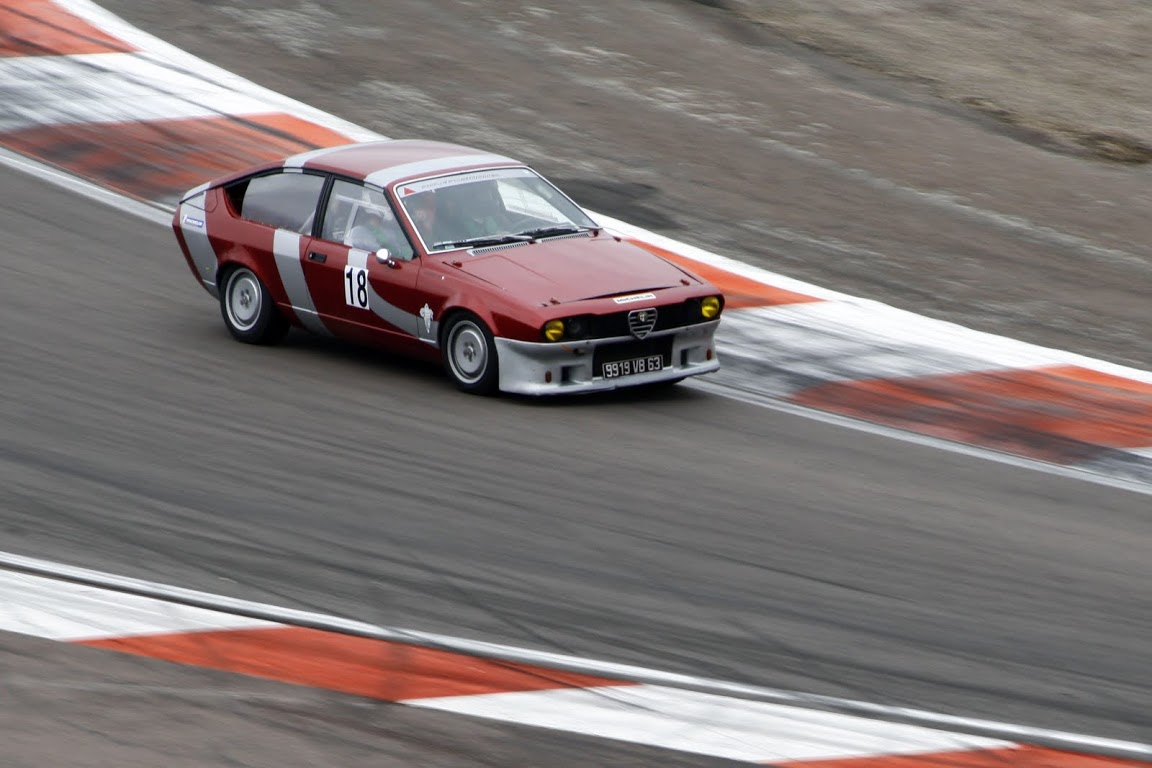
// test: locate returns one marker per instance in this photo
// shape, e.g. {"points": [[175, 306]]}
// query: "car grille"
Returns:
{"points": [[670, 316], [641, 322]]}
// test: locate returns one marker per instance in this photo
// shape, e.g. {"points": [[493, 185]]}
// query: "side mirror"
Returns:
{"points": [[384, 257]]}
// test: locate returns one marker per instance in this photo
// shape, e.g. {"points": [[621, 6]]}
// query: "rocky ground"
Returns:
{"points": [[1077, 72]]}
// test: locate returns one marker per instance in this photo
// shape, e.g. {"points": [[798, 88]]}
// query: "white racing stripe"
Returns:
{"points": [[298, 160], [286, 250], [707, 724], [386, 176]]}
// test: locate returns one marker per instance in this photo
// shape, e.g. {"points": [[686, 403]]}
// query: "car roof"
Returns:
{"points": [[385, 162], [379, 162]]}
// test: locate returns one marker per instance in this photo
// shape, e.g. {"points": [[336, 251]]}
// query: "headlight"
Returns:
{"points": [[554, 330], [710, 307], [577, 327], [569, 328]]}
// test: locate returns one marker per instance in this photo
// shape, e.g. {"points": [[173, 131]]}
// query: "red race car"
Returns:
{"points": [[445, 252]]}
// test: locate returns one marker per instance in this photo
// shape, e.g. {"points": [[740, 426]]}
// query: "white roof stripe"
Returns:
{"points": [[386, 176], [195, 191], [297, 161]]}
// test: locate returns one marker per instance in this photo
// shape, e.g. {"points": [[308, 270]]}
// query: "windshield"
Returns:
{"points": [[467, 210]]}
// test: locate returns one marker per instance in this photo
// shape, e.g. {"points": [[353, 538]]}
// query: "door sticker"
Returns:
{"points": [[356, 287]]}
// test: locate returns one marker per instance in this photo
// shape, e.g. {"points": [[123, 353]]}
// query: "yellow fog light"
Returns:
{"points": [[710, 307], [554, 330]]}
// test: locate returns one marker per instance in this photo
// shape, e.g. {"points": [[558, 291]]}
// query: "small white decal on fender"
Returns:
{"points": [[426, 313]]}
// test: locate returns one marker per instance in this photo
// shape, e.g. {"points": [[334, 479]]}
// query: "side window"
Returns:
{"points": [[360, 217], [281, 200]]}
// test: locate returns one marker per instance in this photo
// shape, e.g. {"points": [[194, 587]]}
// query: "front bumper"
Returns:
{"points": [[557, 368]]}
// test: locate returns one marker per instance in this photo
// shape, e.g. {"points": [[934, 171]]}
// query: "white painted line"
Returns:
{"points": [[605, 669], [183, 64], [150, 212], [109, 87], [733, 387], [694, 253], [57, 610], [780, 350], [708, 724]]}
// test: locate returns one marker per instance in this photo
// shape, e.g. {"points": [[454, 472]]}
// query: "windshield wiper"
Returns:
{"points": [[563, 229], [477, 242]]}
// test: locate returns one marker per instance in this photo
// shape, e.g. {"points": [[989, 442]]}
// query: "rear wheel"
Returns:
{"points": [[469, 353], [248, 309]]}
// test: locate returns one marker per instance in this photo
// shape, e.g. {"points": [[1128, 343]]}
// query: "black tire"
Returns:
{"points": [[248, 309], [469, 354]]}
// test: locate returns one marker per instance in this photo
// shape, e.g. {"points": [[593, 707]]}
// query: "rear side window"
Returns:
{"points": [[281, 200]]}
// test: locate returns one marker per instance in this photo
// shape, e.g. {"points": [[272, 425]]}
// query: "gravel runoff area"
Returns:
{"points": [[1076, 73]]}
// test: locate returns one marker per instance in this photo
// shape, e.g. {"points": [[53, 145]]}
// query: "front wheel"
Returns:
{"points": [[469, 353], [248, 309]]}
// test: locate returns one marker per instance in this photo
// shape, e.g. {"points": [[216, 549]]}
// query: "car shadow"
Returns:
{"points": [[432, 376]]}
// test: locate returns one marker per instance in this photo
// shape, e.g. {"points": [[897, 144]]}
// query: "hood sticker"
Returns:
{"points": [[634, 297]]}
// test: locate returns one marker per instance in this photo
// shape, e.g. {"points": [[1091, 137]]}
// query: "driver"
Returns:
{"points": [[423, 209], [481, 210], [374, 231]]}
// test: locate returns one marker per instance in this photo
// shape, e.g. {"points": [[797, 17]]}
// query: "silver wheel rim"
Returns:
{"points": [[243, 300], [468, 352]]}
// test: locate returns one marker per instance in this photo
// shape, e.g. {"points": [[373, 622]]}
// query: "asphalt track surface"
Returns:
{"points": [[685, 532], [113, 710]]}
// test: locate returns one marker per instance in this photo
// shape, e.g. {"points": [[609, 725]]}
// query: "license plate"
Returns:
{"points": [[635, 365]]}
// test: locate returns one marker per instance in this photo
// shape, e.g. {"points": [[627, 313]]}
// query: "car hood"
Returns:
{"points": [[572, 269]]}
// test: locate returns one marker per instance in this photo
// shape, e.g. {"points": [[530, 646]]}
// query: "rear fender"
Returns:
{"points": [[190, 226]]}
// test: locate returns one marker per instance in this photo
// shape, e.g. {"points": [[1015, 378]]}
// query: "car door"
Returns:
{"points": [[272, 216], [368, 295]]}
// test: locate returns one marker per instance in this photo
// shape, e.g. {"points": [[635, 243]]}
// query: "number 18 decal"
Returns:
{"points": [[356, 287]]}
